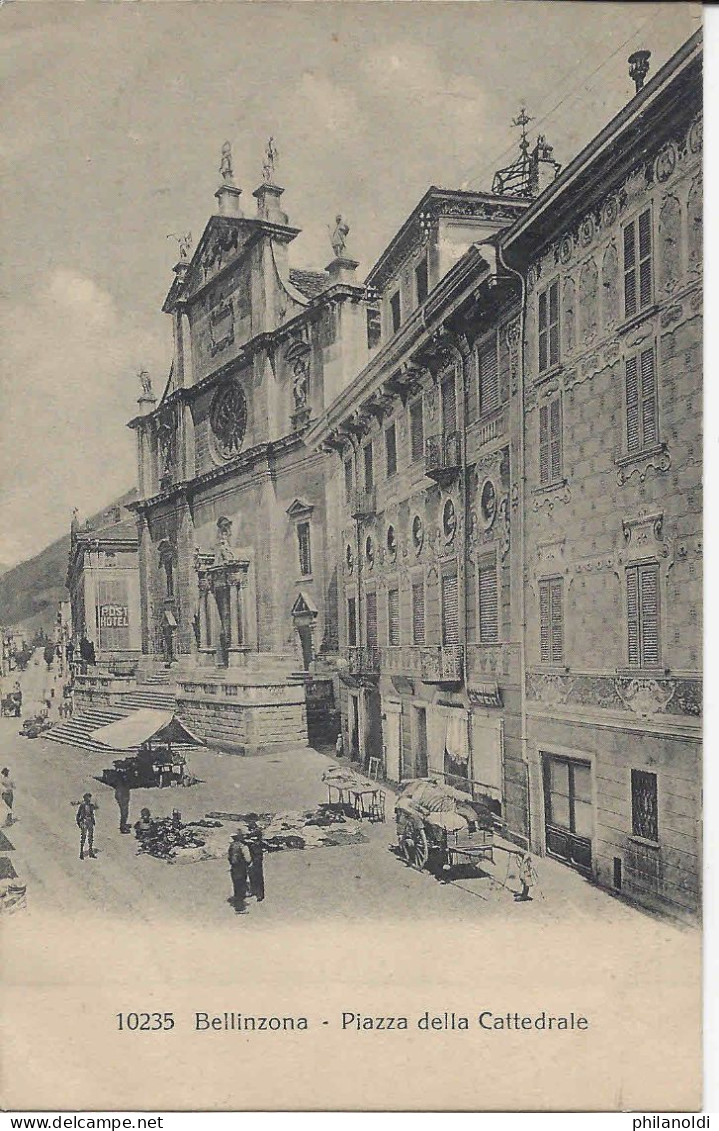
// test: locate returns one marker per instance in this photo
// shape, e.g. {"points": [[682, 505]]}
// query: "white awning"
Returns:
{"points": [[144, 726]]}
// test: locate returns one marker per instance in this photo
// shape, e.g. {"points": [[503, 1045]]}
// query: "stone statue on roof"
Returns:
{"points": [[226, 163], [184, 243], [269, 164], [338, 237], [146, 382]]}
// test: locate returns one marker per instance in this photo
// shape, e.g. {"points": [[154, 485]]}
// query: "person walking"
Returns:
{"points": [[7, 789], [257, 869], [240, 860], [85, 819], [122, 797], [527, 876]]}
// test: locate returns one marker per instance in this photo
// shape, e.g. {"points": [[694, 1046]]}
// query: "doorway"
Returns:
{"points": [[354, 728], [420, 746], [568, 810], [305, 634]]}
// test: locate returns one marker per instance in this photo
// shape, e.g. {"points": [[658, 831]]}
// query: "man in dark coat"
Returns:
{"points": [[240, 860], [257, 871], [85, 819], [122, 797]]}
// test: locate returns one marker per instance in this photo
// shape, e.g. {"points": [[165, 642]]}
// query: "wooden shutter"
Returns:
{"points": [[393, 617], [303, 538], [545, 654], [557, 620], [391, 449], [488, 601], [416, 420], [543, 350], [633, 616], [450, 609], [554, 323], [632, 392], [650, 432], [649, 614], [544, 445], [368, 468], [418, 613], [645, 259], [352, 621], [555, 439], [348, 479], [630, 271], [488, 378], [371, 614], [449, 404], [471, 389]]}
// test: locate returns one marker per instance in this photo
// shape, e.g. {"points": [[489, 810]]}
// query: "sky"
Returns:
{"points": [[112, 119]]}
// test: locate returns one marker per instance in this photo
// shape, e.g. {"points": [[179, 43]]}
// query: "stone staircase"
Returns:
{"points": [[76, 731], [149, 696]]}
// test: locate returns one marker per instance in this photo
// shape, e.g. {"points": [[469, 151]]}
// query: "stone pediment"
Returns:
{"points": [[299, 509], [304, 607], [223, 241]]}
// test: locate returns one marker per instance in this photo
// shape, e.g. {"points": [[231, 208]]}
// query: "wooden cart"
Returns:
{"points": [[440, 827]]}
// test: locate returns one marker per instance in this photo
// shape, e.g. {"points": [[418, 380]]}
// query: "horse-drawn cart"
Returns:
{"points": [[442, 827]]}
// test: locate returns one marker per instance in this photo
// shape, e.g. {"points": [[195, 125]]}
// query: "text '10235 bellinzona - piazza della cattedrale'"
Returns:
{"points": [[451, 512]]}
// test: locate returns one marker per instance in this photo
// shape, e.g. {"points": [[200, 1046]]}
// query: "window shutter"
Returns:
{"points": [[391, 449], [352, 621], [645, 259], [630, 274], [488, 379], [449, 405], [649, 614], [393, 617], [555, 439], [348, 479], [303, 538], [417, 430], [554, 323], [450, 609], [650, 432], [418, 613], [557, 641], [544, 614], [471, 389], [488, 602], [544, 445], [633, 617], [543, 354], [368, 468], [371, 612], [632, 385]]}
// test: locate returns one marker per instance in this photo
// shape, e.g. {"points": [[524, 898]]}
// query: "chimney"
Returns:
{"points": [[639, 68], [543, 169]]}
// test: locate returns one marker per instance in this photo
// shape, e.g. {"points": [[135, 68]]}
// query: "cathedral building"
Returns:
{"points": [[235, 518]]}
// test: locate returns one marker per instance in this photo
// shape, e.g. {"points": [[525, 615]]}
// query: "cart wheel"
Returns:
{"points": [[405, 845], [421, 849]]}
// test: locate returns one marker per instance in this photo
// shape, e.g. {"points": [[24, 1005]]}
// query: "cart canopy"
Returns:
{"points": [[146, 725]]}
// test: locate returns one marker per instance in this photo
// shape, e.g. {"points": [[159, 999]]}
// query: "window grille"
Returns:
{"points": [[645, 807], [303, 541]]}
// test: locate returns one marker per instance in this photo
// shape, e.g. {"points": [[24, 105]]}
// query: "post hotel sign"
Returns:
{"points": [[114, 616]]}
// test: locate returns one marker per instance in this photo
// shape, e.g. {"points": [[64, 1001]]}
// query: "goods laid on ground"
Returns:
{"points": [[12, 897], [34, 727], [207, 839]]}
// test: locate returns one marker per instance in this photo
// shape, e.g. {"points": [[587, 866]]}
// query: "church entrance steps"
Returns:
{"points": [[77, 730], [149, 697]]}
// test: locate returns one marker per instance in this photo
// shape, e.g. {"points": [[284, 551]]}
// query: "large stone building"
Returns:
{"points": [[235, 527], [521, 466]]}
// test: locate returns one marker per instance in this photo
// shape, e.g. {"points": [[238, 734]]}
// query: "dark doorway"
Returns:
{"points": [[420, 754], [305, 635], [568, 810], [354, 728]]}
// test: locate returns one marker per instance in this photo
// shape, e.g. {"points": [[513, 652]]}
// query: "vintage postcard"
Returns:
{"points": [[351, 592]]}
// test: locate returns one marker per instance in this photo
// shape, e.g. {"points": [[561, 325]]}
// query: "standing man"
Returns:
{"points": [[85, 819], [122, 797], [257, 870], [240, 859], [7, 789]]}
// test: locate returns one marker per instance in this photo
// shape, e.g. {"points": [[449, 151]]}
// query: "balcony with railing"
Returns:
{"points": [[364, 660], [363, 502], [443, 457], [498, 661], [442, 663], [406, 660]]}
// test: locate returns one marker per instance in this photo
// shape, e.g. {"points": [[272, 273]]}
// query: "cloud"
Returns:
{"points": [[68, 388]]}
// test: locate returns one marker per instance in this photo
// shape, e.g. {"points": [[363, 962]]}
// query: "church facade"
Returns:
{"points": [[235, 519]]}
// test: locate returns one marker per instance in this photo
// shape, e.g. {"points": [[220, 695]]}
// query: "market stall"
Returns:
{"points": [[159, 740]]}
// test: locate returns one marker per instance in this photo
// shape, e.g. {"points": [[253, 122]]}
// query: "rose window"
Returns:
{"points": [[228, 420]]}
